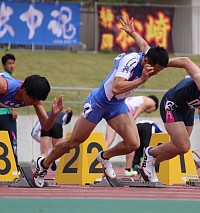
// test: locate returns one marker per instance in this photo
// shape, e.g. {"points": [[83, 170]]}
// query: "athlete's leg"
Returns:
{"points": [[55, 140], [125, 126], [129, 160], [45, 144], [110, 135], [54, 165], [179, 144], [80, 133]]}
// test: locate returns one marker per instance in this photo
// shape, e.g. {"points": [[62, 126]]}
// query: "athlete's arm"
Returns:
{"points": [[45, 121], [36, 129], [191, 68], [147, 104], [128, 27], [14, 113], [139, 110], [3, 86], [121, 84]]}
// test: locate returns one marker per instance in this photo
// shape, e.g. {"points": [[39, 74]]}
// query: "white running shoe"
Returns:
{"points": [[38, 176], [107, 166], [130, 173], [148, 166]]}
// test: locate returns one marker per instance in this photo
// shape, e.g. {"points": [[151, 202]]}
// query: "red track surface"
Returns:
{"points": [[77, 191]]}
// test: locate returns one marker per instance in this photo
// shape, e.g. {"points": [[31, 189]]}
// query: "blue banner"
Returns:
{"points": [[40, 23]]}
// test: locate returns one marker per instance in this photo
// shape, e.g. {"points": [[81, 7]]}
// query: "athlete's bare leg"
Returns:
{"points": [[45, 145], [179, 144], [81, 132], [110, 136], [129, 160], [125, 126]]}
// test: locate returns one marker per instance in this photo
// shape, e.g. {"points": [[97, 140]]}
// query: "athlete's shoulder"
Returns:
{"points": [[132, 56]]}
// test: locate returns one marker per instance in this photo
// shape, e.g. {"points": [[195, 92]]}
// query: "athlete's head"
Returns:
{"points": [[158, 58], [36, 87], [152, 103], [157, 55], [156, 101], [8, 63], [6, 57]]}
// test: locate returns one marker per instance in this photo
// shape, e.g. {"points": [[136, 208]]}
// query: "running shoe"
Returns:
{"points": [[107, 166], [38, 176], [148, 166], [130, 173]]}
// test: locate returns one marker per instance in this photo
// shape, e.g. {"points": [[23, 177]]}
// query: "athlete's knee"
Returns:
{"points": [[133, 146], [74, 142], [184, 148], [136, 146]]}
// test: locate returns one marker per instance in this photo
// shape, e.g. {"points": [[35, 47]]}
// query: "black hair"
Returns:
{"points": [[7, 57], [155, 99], [37, 87], [157, 55]]}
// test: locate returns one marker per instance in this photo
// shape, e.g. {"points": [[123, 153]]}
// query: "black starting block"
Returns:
{"points": [[126, 182], [193, 183], [25, 179]]}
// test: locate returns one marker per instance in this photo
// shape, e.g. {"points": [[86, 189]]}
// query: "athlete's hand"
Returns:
{"points": [[127, 25], [147, 72], [57, 106], [68, 110]]}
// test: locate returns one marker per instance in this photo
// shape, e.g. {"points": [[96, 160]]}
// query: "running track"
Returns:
{"points": [[185, 197]]}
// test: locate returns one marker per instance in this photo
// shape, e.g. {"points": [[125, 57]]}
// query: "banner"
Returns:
{"points": [[154, 24], [40, 23]]}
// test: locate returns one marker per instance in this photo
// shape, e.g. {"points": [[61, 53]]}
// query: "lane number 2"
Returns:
{"points": [[93, 167]]}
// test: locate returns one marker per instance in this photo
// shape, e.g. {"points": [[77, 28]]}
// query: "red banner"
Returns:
{"points": [[154, 24]]}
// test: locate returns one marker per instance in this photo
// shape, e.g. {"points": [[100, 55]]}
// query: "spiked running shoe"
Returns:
{"points": [[148, 166], [107, 166], [130, 173], [38, 176]]}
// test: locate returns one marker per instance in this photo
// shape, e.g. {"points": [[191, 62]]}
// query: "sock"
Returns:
{"points": [[128, 169], [103, 157], [42, 164], [149, 150]]}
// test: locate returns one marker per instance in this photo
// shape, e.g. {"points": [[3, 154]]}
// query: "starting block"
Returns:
{"points": [[193, 181], [125, 182], [10, 175], [25, 179]]}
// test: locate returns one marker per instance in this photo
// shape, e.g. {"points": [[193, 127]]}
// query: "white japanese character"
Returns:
{"points": [[5, 13], [62, 26], [34, 19]]}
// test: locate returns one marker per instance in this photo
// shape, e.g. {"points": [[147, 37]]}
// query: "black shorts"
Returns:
{"points": [[171, 113], [55, 132]]}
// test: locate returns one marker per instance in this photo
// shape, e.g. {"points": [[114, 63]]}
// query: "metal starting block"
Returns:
{"points": [[126, 182], [193, 183], [193, 180], [26, 179]]}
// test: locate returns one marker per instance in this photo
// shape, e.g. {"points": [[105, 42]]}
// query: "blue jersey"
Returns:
{"points": [[8, 100], [101, 102], [125, 65]]}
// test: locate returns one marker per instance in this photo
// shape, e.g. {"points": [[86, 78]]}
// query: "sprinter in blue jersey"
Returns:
{"points": [[107, 102], [176, 109], [33, 91]]}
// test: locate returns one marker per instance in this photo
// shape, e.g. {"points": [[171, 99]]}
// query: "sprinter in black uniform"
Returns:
{"points": [[177, 109]]}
